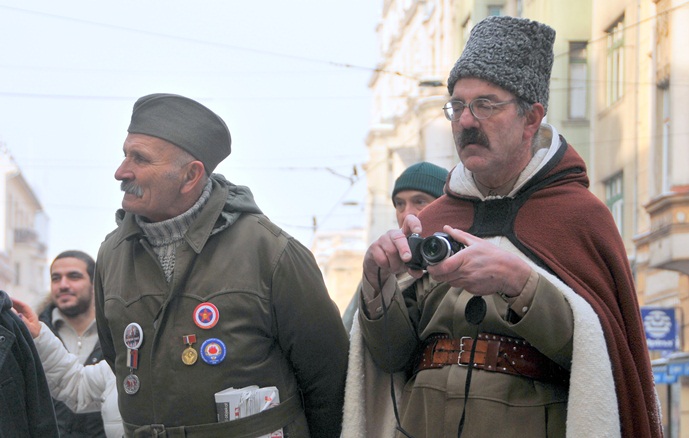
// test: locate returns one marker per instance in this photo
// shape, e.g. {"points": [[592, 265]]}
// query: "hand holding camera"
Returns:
{"points": [[431, 250]]}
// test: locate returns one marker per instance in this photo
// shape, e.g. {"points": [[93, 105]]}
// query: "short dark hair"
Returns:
{"points": [[73, 253]]}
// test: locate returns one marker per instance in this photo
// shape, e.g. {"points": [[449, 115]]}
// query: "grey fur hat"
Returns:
{"points": [[185, 123], [513, 53]]}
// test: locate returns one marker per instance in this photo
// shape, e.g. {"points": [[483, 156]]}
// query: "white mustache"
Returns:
{"points": [[131, 188]]}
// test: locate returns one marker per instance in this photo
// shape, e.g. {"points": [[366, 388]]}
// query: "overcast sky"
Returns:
{"points": [[290, 79]]}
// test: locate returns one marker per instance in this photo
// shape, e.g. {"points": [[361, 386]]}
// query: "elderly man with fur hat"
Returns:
{"points": [[197, 292], [533, 327]]}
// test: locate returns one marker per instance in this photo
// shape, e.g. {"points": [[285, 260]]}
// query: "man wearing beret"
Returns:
{"points": [[197, 292], [532, 328]]}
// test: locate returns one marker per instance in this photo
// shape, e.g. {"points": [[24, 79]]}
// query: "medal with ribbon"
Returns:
{"points": [[133, 338], [189, 355]]}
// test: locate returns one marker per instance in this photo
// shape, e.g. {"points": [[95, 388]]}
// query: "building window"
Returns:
{"points": [[578, 75], [615, 62], [494, 10], [614, 198]]}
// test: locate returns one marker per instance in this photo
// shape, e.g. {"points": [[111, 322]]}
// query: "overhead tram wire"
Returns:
{"points": [[208, 43]]}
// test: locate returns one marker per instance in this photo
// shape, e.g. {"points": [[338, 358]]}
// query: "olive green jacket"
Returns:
{"points": [[499, 404], [278, 324]]}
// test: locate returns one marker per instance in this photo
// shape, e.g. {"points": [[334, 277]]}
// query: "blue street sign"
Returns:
{"points": [[660, 377], [660, 327]]}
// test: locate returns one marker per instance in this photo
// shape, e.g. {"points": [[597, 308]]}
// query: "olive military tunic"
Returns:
{"points": [[278, 324]]}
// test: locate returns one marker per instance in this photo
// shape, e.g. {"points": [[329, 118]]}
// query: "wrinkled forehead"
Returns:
{"points": [[154, 146]]}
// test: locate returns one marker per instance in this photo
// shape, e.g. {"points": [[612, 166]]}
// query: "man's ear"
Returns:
{"points": [[534, 117], [194, 173]]}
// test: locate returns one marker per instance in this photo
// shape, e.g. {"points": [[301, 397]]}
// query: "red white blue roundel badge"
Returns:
{"points": [[213, 351], [206, 315]]}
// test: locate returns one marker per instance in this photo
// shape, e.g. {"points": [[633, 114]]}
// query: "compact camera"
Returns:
{"points": [[431, 250]]}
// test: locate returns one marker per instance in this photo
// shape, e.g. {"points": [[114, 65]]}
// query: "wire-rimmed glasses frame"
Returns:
{"points": [[481, 108]]}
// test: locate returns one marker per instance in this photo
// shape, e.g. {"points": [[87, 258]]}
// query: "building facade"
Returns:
{"points": [[409, 91], [340, 255], [23, 239], [640, 155]]}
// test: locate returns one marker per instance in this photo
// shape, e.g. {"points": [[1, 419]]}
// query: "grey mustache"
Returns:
{"points": [[472, 136], [131, 188]]}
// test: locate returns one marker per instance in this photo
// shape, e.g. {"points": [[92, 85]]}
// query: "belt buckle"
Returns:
{"points": [[462, 350], [158, 430]]}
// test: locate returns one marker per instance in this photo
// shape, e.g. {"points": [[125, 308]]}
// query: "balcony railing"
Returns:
{"points": [[25, 235], [666, 245]]}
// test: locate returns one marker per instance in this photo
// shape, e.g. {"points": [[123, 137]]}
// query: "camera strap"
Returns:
{"points": [[474, 312]]}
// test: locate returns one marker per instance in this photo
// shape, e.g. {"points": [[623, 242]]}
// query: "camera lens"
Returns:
{"points": [[435, 249]]}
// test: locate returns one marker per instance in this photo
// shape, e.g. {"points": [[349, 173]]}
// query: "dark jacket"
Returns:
{"points": [[26, 409], [73, 425], [278, 324]]}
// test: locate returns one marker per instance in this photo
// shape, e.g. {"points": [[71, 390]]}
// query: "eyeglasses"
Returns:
{"points": [[481, 108]]}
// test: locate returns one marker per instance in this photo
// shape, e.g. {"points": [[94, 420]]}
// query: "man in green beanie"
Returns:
{"points": [[419, 185], [415, 188], [197, 292], [531, 328]]}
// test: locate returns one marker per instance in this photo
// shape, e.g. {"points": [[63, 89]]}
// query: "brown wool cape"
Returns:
{"points": [[564, 228]]}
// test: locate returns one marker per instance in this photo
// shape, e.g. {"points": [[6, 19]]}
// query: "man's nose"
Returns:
{"points": [[122, 173], [467, 119]]}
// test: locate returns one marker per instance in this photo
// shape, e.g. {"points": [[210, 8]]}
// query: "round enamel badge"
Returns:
{"points": [[133, 336], [213, 351], [206, 315]]}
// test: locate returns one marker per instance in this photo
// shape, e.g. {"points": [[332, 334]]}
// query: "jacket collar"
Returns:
{"points": [[198, 232]]}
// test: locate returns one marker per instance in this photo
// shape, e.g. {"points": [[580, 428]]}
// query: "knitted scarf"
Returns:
{"points": [[165, 236]]}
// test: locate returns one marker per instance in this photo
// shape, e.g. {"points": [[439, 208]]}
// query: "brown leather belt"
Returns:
{"points": [[496, 353]]}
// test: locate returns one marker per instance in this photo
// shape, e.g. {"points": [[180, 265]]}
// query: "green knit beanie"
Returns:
{"points": [[424, 177]]}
